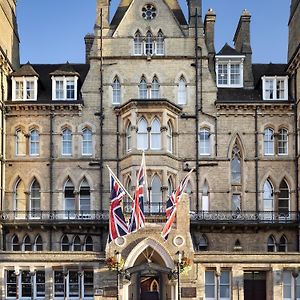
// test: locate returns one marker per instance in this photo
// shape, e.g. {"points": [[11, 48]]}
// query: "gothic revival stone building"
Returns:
{"points": [[153, 82]]}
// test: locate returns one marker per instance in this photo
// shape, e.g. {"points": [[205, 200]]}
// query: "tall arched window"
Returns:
{"points": [[89, 244], [283, 142], [236, 165], [155, 135], [143, 89], [142, 135], [268, 198], [34, 143], [282, 247], [66, 142], [160, 43], [35, 199], [69, 198], [170, 186], [128, 137], [182, 91], [87, 142], [205, 198], [76, 243], [85, 198], [169, 138], [38, 243], [27, 244], [155, 89], [116, 91], [20, 142], [271, 244], [149, 44], [269, 141], [283, 199], [15, 245], [65, 245], [138, 49], [204, 141], [189, 191], [20, 197], [203, 243], [156, 195]]}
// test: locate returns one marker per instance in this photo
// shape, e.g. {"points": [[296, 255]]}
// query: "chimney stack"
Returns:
{"points": [[89, 40], [209, 31], [242, 44], [194, 5], [104, 5]]}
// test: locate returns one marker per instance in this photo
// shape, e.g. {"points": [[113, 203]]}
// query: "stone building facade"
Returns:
{"points": [[153, 82]]}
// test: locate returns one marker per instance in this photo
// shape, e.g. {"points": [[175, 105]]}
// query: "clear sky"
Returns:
{"points": [[52, 31]]}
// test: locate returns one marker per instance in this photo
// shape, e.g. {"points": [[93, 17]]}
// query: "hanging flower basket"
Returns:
{"points": [[185, 265], [112, 263]]}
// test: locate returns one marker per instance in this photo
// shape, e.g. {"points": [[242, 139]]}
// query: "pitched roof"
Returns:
{"points": [[227, 50], [25, 70], [65, 70]]}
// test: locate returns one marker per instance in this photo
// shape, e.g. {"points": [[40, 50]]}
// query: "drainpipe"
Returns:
{"points": [[2, 139], [51, 161], [118, 145], [256, 162]]}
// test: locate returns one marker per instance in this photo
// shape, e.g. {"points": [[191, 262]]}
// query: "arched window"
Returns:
{"points": [[170, 186], [149, 45], [205, 198], [127, 200], [69, 198], [282, 244], [85, 198], [283, 199], [271, 244], [155, 135], [283, 142], [203, 244], [116, 89], [38, 243], [34, 143], [160, 43], [65, 245], [156, 196], [182, 91], [236, 165], [268, 197], [204, 141], [15, 245], [269, 141], [87, 142], [20, 143], [76, 243], [189, 191], [89, 244], [169, 138], [143, 89], [128, 137], [27, 244], [20, 197], [142, 135], [155, 89], [138, 50], [66, 142], [35, 199]]}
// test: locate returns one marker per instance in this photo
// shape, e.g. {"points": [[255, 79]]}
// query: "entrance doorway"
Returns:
{"points": [[149, 288], [254, 285]]}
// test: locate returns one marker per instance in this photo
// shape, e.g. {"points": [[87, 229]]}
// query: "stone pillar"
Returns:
{"points": [[49, 289], [237, 283], [277, 282]]}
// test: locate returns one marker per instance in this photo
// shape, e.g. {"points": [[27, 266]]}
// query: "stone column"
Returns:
{"points": [[237, 283]]}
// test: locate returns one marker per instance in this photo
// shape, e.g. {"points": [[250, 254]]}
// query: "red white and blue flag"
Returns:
{"points": [[137, 220], [172, 205], [117, 224]]}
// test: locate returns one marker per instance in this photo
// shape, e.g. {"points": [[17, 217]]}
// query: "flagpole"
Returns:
{"points": [[118, 181]]}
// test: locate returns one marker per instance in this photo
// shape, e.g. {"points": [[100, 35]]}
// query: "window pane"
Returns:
{"points": [[70, 89], [137, 44], [269, 90], [210, 284], [73, 284], [222, 74], [143, 89], [67, 142], [283, 142], [20, 143], [204, 145], [160, 44], [59, 89], [156, 195], [116, 92], [11, 284], [149, 44], [86, 142], [155, 89], [19, 90], [155, 135], [88, 283], [235, 74], [34, 142], [40, 283], [269, 141], [29, 90], [59, 284], [182, 92], [25, 284], [142, 135]]}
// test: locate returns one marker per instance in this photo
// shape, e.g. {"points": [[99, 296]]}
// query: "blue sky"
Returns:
{"points": [[52, 31]]}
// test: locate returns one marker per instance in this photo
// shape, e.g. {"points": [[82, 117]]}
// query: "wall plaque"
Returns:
{"points": [[188, 292], [110, 292]]}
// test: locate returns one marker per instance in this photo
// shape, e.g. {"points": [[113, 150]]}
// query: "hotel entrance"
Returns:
{"points": [[254, 285]]}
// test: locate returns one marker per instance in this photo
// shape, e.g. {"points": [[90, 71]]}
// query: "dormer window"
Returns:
{"points": [[64, 88], [229, 71], [275, 88], [24, 88]]}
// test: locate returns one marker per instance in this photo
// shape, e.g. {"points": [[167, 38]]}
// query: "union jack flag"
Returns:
{"points": [[137, 220], [172, 205], [117, 224]]}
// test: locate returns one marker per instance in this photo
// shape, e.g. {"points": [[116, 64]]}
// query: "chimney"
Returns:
{"points": [[194, 5], [104, 5], [209, 31], [242, 44], [88, 39]]}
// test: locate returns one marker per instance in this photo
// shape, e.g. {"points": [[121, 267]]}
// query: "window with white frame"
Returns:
{"points": [[143, 89], [116, 91], [64, 88], [204, 141], [283, 199], [169, 138], [85, 198], [212, 280], [149, 44], [128, 137], [182, 91], [69, 198], [282, 142], [142, 135], [20, 142], [229, 71], [156, 195], [155, 141], [160, 43], [34, 143], [138, 44], [24, 88], [66, 142], [35, 198], [155, 89], [269, 141], [291, 285], [87, 142], [275, 88], [89, 244]]}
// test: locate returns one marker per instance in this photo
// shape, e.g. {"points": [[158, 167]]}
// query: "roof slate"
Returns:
{"points": [[227, 50], [25, 70]]}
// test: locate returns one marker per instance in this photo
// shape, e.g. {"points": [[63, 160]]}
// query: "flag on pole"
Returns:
{"points": [[172, 205], [137, 220], [117, 224]]}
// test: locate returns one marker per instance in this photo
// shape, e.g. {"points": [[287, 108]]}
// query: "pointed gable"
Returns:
{"points": [[25, 70], [65, 70], [227, 50]]}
